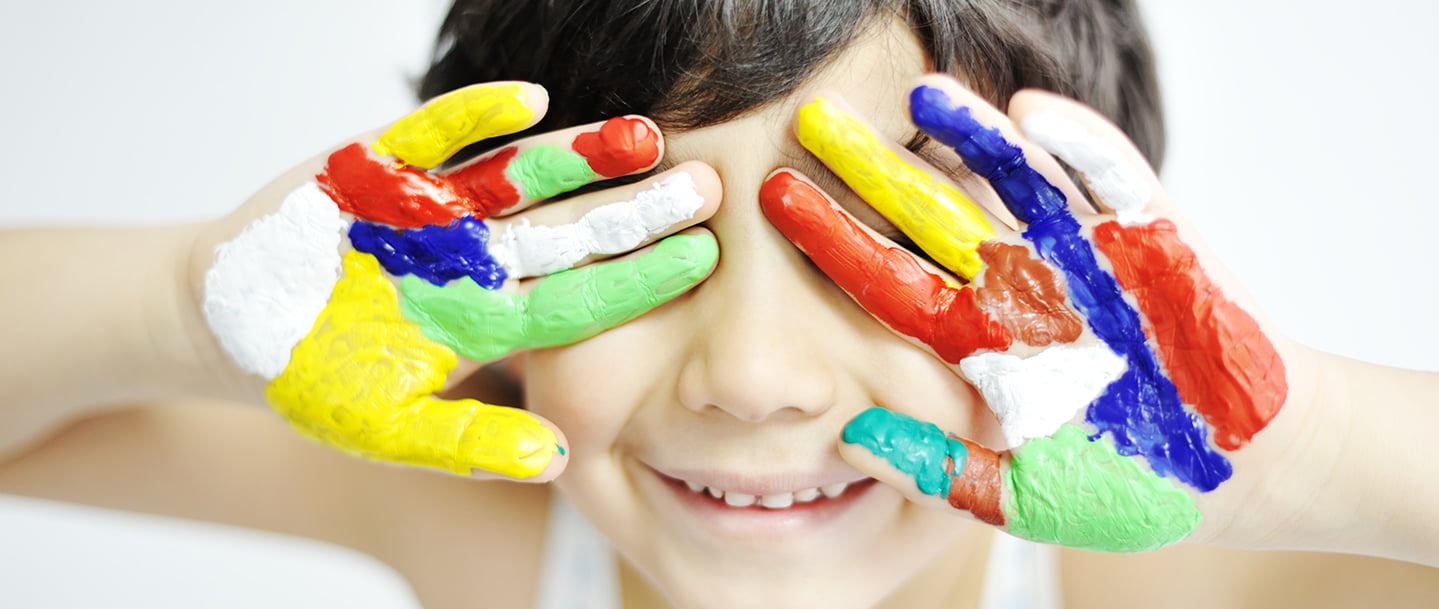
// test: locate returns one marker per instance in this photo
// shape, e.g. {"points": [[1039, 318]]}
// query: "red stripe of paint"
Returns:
{"points": [[1219, 359], [888, 282], [388, 193], [484, 182], [620, 146]]}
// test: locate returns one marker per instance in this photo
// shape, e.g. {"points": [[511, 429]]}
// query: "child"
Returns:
{"points": [[741, 385]]}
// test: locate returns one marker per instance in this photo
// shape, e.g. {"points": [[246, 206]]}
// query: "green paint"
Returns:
{"points": [[910, 445], [545, 171], [1071, 491], [563, 308]]}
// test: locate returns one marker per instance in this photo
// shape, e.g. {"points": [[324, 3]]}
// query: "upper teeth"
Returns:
{"points": [[775, 502]]}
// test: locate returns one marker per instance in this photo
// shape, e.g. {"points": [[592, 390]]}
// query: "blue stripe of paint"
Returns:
{"points": [[438, 254], [1141, 409]]}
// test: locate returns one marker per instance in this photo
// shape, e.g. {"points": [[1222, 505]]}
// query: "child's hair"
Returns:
{"points": [[694, 63]]}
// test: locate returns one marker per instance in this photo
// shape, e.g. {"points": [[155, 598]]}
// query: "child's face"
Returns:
{"points": [[745, 383]]}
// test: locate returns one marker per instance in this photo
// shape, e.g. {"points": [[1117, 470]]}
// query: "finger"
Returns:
{"points": [[362, 380], [377, 190], [440, 128], [562, 308], [889, 282], [600, 224], [533, 169], [941, 220], [987, 142], [1112, 168], [1067, 490]]}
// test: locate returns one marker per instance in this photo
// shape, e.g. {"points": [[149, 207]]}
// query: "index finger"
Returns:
{"points": [[440, 128]]}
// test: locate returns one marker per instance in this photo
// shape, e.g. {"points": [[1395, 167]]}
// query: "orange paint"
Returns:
{"points": [[1026, 295], [1216, 354], [484, 182]]}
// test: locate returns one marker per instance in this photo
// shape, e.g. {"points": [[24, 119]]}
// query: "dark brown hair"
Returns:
{"points": [[694, 63]]}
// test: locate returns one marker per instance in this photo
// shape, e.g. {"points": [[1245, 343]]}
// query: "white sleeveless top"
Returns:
{"points": [[579, 570]]}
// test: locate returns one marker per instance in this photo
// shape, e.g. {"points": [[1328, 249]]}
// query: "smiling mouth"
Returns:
{"points": [[815, 497]]}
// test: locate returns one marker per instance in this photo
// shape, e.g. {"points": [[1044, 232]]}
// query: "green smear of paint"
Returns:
{"points": [[545, 171], [1071, 491], [563, 308], [909, 445]]}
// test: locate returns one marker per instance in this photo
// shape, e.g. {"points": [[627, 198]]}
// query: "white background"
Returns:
{"points": [[1300, 136]]}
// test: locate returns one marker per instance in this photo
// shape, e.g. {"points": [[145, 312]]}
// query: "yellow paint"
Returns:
{"points": [[362, 381], [454, 120], [940, 219]]}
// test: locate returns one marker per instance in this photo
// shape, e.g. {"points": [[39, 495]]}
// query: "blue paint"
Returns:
{"points": [[1141, 409], [910, 445], [438, 254]]}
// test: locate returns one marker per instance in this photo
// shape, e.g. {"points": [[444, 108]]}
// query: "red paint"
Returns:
{"points": [[1026, 295], [484, 182], [1219, 359], [621, 146], [887, 281], [977, 489], [388, 193]]}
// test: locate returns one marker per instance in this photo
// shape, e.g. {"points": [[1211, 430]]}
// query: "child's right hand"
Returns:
{"points": [[375, 285]]}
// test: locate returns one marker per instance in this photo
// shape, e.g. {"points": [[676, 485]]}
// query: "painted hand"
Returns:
{"points": [[375, 285], [1123, 377]]}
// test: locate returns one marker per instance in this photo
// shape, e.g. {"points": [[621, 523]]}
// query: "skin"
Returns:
{"points": [[704, 370]]}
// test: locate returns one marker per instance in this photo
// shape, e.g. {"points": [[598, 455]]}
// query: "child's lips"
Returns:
{"points": [[764, 508]]}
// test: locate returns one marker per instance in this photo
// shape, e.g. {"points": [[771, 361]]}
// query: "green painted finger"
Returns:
{"points": [[563, 308]]}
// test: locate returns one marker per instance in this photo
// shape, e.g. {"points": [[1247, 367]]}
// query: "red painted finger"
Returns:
{"points": [[889, 282]]}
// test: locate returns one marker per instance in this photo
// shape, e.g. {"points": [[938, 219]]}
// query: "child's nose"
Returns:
{"points": [[765, 334]]}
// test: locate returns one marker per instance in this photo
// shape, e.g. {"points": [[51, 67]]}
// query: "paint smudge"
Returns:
{"points": [[1112, 180], [532, 251], [1218, 357], [268, 284], [1076, 492], [1032, 397], [362, 381], [545, 171], [562, 308], [444, 125], [622, 145], [1141, 410], [438, 254], [1026, 296], [389, 193], [887, 282], [484, 183]]}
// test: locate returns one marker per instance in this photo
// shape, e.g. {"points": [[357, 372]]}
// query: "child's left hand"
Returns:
{"points": [[1127, 378]]}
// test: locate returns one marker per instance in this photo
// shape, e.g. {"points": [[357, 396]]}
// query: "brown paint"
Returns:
{"points": [[977, 489], [1026, 295]]}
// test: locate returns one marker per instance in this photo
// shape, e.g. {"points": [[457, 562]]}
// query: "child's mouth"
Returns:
{"points": [[775, 501]]}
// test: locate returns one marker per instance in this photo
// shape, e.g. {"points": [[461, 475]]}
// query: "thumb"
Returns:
{"points": [[1067, 489]]}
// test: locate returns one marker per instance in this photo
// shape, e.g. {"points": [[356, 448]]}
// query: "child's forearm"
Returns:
{"points": [[1379, 490], [97, 318]]}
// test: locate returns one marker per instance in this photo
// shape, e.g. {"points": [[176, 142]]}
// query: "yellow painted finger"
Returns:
{"points": [[362, 381], [445, 124], [938, 217]]}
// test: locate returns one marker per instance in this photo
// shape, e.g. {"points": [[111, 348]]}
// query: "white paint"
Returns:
{"points": [[1111, 178], [531, 251], [1032, 397], [269, 284]]}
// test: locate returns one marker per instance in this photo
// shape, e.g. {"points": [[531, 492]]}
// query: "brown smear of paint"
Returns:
{"points": [[977, 489], [1026, 295]]}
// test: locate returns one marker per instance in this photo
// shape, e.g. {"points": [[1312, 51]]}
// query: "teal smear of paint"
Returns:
{"points": [[561, 449], [909, 445], [563, 308], [1072, 491], [545, 171]]}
